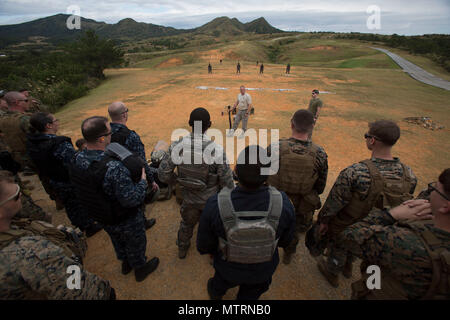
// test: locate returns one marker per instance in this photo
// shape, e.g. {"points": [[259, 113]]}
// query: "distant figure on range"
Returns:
{"points": [[315, 105], [261, 68], [244, 105], [210, 68], [238, 68], [288, 68]]}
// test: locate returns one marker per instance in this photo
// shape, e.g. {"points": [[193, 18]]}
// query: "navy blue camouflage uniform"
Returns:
{"points": [[253, 279], [128, 237], [65, 191], [134, 144]]}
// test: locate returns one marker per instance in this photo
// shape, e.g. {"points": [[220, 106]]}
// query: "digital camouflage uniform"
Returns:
{"points": [[314, 104], [304, 171], [356, 185], [64, 190], [15, 127], [128, 237], [34, 267], [399, 249], [29, 208], [218, 176]]}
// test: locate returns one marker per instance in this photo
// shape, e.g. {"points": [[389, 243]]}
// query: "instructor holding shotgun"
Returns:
{"points": [[244, 105]]}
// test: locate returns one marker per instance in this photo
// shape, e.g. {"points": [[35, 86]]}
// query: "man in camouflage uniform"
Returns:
{"points": [[315, 104], [379, 181], [31, 265], [197, 179], [131, 140], [15, 126], [302, 174], [52, 156], [414, 257], [29, 208], [117, 186]]}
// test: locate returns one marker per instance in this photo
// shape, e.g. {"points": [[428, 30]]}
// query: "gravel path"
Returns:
{"points": [[416, 72]]}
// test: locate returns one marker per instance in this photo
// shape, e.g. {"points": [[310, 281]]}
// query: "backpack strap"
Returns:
{"points": [[376, 186], [226, 208], [407, 179], [275, 207]]}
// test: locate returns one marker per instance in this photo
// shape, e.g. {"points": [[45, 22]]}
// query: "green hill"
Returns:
{"points": [[54, 29]]}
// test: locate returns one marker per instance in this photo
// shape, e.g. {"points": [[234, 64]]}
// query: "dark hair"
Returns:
{"points": [[444, 178], [39, 121], [303, 121], [248, 172], [93, 128], [79, 143], [200, 114], [385, 131]]}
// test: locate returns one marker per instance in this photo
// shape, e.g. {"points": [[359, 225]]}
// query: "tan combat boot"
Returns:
{"points": [[332, 278]]}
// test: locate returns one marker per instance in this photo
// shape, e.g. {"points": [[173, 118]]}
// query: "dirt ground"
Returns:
{"points": [[160, 101]]}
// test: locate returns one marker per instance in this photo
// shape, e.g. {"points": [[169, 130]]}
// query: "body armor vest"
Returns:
{"points": [[40, 149], [383, 192], [252, 239]]}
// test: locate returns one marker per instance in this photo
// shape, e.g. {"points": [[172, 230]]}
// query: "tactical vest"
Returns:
{"points": [[297, 173], [249, 240], [195, 177], [73, 242], [89, 186], [121, 135], [383, 192], [41, 153], [391, 288], [14, 135]]}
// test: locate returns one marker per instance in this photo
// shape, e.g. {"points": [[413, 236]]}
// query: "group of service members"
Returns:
{"points": [[368, 213]]}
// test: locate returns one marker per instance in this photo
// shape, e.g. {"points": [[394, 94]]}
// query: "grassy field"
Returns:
{"points": [[160, 93]]}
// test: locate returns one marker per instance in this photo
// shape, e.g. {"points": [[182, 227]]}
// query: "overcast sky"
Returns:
{"points": [[397, 16]]}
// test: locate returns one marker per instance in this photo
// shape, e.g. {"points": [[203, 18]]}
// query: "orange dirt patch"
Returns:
{"points": [[170, 63], [321, 48], [161, 100]]}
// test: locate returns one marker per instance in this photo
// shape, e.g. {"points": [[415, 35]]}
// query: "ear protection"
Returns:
{"points": [[102, 139]]}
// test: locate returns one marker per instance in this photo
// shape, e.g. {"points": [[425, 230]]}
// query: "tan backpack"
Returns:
{"points": [[383, 192], [392, 288], [73, 242], [297, 173]]}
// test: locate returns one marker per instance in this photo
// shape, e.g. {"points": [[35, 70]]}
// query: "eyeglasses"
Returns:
{"points": [[126, 110], [432, 187], [15, 196], [105, 135], [368, 136]]}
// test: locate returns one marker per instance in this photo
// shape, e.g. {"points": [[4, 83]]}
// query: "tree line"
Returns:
{"points": [[59, 76], [434, 46]]}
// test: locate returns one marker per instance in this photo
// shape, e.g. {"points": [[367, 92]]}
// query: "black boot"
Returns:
{"points": [[211, 294], [142, 272], [126, 268], [149, 223]]}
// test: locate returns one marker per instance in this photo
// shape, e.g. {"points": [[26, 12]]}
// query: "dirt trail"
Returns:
{"points": [[160, 101]]}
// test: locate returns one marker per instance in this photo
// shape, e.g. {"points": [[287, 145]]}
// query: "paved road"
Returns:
{"points": [[417, 72]]}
